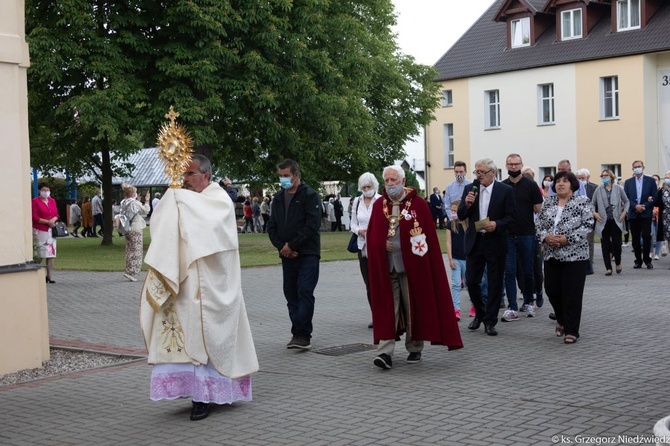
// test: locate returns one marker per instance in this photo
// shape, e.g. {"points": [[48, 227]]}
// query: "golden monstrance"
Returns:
{"points": [[176, 148]]}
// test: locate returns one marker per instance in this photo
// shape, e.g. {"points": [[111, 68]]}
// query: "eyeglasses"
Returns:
{"points": [[481, 172], [190, 174], [514, 164]]}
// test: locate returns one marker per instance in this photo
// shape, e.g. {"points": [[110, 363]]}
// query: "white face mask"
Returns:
{"points": [[46, 194], [546, 183], [369, 193]]}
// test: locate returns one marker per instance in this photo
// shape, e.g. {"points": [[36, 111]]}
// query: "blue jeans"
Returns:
{"points": [[521, 249], [456, 275], [300, 278]]}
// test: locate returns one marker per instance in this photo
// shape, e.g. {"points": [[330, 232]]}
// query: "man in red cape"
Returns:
{"points": [[408, 282]]}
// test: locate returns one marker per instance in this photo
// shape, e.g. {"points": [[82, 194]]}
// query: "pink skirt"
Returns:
{"points": [[201, 383]]}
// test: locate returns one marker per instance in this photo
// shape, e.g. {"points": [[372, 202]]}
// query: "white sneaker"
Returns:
{"points": [[510, 316], [624, 245], [129, 277], [530, 308], [656, 257]]}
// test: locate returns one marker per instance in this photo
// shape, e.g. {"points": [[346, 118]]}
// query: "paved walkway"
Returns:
{"points": [[519, 388]]}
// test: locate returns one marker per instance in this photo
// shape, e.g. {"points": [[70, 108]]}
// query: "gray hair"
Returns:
{"points": [[584, 171], [401, 173], [204, 165], [489, 164], [368, 179]]}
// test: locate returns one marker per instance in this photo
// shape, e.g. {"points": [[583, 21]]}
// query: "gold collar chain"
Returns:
{"points": [[394, 219]]}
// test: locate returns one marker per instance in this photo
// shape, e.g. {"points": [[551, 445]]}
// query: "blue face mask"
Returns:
{"points": [[606, 181], [667, 181], [638, 171], [285, 183]]}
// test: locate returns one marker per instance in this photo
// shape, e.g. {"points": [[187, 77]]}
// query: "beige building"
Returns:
{"points": [[24, 331], [584, 80]]}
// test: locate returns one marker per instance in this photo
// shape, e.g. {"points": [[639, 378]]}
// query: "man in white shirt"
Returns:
{"points": [[155, 201]]}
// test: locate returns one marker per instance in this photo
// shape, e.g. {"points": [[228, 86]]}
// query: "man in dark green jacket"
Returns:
{"points": [[295, 220]]}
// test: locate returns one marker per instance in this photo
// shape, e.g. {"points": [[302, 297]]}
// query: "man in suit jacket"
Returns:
{"points": [[642, 193], [436, 207], [486, 246]]}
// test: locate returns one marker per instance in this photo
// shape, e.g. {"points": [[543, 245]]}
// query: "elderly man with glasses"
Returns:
{"points": [[489, 207]]}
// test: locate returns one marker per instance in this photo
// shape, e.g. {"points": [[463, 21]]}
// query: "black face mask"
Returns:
{"points": [[514, 173]]}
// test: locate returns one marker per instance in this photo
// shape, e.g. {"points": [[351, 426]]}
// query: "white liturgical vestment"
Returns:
{"points": [[191, 307]]}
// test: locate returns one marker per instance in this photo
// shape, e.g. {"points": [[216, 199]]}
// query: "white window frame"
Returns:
{"points": [[492, 109], [609, 97], [625, 15], [519, 31], [545, 104], [448, 135], [447, 98], [569, 34], [615, 168]]}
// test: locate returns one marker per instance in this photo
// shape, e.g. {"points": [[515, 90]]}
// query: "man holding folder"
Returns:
{"points": [[489, 207]]}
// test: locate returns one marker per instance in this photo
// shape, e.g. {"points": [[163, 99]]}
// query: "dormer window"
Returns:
{"points": [[520, 32], [628, 14], [571, 24]]}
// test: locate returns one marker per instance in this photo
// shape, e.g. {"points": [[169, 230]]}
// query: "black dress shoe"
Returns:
{"points": [[650, 266], [490, 330], [552, 316], [474, 325], [637, 265], [50, 281], [200, 411]]}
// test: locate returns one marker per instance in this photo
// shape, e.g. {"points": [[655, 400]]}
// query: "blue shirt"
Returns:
{"points": [[454, 191]]}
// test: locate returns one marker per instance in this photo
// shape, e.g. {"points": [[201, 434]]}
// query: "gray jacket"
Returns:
{"points": [[619, 201]]}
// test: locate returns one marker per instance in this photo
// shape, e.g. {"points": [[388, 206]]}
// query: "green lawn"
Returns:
{"points": [[87, 254]]}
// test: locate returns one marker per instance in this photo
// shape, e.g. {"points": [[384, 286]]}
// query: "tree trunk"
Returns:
{"points": [[107, 192]]}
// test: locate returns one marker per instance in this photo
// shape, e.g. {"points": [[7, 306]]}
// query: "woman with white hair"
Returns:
{"points": [[360, 217]]}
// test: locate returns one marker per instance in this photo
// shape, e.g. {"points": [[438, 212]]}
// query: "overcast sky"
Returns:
{"points": [[428, 28]]}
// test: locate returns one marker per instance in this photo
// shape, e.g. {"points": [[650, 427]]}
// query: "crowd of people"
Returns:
{"points": [[516, 234], [500, 236]]}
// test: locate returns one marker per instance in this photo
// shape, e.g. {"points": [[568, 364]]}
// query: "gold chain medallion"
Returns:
{"points": [[176, 148]]}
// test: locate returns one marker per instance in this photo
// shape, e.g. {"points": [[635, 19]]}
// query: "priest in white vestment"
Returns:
{"points": [[192, 310]]}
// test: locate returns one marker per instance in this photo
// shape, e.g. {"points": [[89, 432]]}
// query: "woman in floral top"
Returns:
{"points": [[563, 226]]}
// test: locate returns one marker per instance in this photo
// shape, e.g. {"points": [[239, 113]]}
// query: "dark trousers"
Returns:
{"points": [[479, 258], [266, 219], [641, 227], [610, 243], [300, 278], [537, 269], [564, 284], [75, 228], [363, 264], [97, 221]]}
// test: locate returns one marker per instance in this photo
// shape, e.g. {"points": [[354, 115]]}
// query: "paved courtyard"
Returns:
{"points": [[522, 387]]}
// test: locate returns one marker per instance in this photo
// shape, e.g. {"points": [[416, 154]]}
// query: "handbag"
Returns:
{"points": [[59, 230], [353, 241], [353, 244]]}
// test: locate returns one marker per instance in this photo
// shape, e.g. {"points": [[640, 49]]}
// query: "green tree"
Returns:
{"points": [[85, 104], [255, 81]]}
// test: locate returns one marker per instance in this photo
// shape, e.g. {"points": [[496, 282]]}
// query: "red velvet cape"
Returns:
{"points": [[431, 308]]}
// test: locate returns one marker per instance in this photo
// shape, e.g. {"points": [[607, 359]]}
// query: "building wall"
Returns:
{"points": [[438, 175], [24, 334], [618, 141], [578, 134]]}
